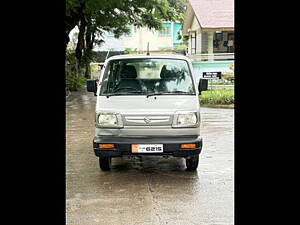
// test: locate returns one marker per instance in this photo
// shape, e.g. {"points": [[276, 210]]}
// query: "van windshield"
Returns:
{"points": [[146, 77]]}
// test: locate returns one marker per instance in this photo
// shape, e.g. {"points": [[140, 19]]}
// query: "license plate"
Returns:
{"points": [[153, 148]]}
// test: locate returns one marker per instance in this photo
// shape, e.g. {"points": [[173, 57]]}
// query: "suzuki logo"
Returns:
{"points": [[147, 120]]}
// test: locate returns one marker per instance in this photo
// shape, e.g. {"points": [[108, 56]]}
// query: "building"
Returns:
{"points": [[209, 25], [165, 39], [138, 38], [110, 43]]}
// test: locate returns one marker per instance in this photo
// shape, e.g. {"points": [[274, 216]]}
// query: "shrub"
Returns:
{"points": [[74, 76], [217, 97], [74, 83]]}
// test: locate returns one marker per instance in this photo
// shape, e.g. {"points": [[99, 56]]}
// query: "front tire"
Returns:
{"points": [[192, 162], [105, 163]]}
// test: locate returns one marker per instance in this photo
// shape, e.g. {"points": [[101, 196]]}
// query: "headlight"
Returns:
{"points": [[109, 120], [183, 119]]}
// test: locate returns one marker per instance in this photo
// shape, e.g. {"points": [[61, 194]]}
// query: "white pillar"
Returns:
{"points": [[190, 44], [199, 42], [210, 44]]}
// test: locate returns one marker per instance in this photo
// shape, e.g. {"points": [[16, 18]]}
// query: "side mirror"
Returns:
{"points": [[203, 85], [91, 86]]}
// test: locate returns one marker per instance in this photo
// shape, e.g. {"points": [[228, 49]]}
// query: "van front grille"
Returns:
{"points": [[147, 120]]}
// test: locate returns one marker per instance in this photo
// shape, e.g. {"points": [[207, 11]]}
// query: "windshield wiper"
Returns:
{"points": [[136, 92], [129, 93], [148, 95], [113, 94], [151, 94], [170, 92]]}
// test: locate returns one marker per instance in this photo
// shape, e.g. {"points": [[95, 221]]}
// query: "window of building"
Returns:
{"points": [[166, 30], [223, 42], [230, 43]]}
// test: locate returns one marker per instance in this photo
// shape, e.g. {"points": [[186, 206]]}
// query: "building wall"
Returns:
{"points": [[139, 38], [195, 27], [199, 37], [212, 66], [111, 44]]}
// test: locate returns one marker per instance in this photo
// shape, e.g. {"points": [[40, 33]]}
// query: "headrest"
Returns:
{"points": [[166, 74], [128, 71]]}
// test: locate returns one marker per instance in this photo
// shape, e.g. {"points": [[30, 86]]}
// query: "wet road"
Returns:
{"points": [[148, 190]]}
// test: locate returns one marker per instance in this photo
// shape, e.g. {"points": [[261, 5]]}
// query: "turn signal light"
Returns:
{"points": [[106, 146], [188, 146]]}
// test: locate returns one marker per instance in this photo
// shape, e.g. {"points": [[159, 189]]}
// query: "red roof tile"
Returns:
{"points": [[214, 13]]}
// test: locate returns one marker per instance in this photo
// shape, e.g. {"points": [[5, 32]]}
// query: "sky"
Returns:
{"points": [[110, 43]]}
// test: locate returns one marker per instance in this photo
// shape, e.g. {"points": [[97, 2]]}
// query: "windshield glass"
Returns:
{"points": [[147, 76]]}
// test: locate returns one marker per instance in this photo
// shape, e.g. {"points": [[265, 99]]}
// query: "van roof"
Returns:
{"points": [[144, 56]]}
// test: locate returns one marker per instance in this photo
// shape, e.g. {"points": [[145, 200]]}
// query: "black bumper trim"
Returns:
{"points": [[171, 145]]}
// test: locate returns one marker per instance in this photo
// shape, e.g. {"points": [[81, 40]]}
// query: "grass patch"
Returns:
{"points": [[231, 106], [217, 97], [221, 82]]}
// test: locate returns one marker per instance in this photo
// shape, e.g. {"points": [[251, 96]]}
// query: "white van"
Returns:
{"points": [[147, 105]]}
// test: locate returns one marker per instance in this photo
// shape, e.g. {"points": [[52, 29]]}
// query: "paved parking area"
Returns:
{"points": [[148, 190]]}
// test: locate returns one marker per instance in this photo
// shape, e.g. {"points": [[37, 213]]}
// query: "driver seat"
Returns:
{"points": [[166, 77], [128, 78]]}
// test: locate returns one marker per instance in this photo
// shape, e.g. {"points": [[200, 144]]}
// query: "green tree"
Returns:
{"points": [[93, 17]]}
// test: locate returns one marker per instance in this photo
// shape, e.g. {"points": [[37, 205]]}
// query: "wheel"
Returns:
{"points": [[192, 162], [105, 163]]}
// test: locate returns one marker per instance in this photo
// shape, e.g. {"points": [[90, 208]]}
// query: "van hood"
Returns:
{"points": [[160, 104]]}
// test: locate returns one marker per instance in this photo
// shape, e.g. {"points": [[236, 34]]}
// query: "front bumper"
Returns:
{"points": [[123, 145]]}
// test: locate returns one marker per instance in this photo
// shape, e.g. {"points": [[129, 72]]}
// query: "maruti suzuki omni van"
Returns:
{"points": [[147, 105]]}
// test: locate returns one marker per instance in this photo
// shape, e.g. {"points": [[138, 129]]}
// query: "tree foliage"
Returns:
{"points": [[115, 15], [93, 17]]}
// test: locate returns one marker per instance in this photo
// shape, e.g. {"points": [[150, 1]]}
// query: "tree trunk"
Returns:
{"points": [[89, 40], [80, 43], [87, 73], [71, 21]]}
